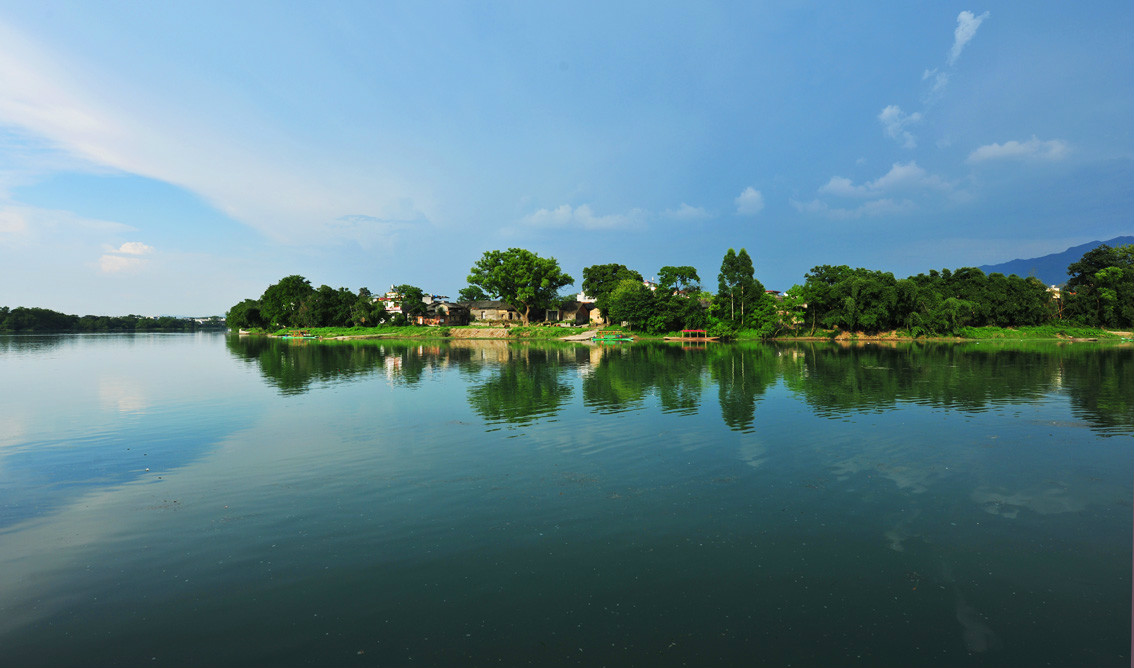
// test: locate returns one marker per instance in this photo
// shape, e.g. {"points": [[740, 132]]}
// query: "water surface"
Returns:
{"points": [[210, 500]]}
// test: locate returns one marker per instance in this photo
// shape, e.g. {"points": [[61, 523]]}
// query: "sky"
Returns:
{"points": [[178, 157]]}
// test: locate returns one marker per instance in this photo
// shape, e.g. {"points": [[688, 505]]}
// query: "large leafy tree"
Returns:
{"points": [[683, 279], [244, 315], [1101, 288], [520, 277], [737, 288], [280, 304], [633, 303], [600, 280], [471, 294]]}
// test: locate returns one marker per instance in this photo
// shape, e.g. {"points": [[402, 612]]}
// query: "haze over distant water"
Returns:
{"points": [[1051, 269]]}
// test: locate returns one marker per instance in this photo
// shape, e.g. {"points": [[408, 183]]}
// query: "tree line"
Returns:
{"points": [[1099, 293], [34, 320]]}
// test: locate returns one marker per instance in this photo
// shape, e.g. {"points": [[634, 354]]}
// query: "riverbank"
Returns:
{"points": [[579, 334]]}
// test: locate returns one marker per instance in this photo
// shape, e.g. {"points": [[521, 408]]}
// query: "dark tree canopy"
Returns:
{"points": [[600, 280], [682, 278], [738, 290], [520, 277], [413, 303], [471, 293], [280, 304]]}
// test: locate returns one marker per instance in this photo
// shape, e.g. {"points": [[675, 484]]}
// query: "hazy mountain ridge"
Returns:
{"points": [[1051, 269]]}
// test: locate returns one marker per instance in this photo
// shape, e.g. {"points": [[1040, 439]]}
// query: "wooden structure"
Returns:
{"points": [[693, 335]]}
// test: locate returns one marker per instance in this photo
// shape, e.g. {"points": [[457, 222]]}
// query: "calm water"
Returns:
{"points": [[202, 500]]}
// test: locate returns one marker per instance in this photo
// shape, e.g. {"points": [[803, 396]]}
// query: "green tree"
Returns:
{"points": [[413, 303], [280, 304], [600, 280], [737, 288], [366, 311], [519, 277], [633, 303], [683, 279], [244, 315], [471, 294], [1101, 289]]}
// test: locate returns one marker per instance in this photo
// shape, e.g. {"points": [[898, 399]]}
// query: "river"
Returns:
{"points": [[184, 500]]}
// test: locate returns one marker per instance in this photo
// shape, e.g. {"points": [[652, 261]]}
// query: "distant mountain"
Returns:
{"points": [[1051, 269]]}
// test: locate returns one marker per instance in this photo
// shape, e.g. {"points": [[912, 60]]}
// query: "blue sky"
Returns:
{"points": [[177, 157]]}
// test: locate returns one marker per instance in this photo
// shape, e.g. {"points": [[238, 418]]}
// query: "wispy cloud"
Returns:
{"points": [[967, 24], [750, 202], [127, 258], [872, 209], [134, 248], [118, 264], [583, 216], [686, 213], [902, 177], [1033, 149], [895, 123], [264, 179]]}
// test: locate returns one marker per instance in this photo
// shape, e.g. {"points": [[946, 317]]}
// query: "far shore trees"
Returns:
{"points": [[738, 290], [601, 280], [519, 277], [281, 302]]}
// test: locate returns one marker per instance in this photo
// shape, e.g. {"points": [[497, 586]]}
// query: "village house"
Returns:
{"points": [[491, 310], [444, 313], [573, 312]]}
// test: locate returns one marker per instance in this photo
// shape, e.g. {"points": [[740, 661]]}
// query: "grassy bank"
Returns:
{"points": [[546, 333]]}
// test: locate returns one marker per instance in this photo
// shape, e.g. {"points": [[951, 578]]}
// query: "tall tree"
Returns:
{"points": [[280, 304], [520, 277], [738, 289], [600, 280], [684, 279]]}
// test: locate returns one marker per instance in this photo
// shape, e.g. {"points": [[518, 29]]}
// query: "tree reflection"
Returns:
{"points": [[528, 380], [293, 366], [622, 376], [836, 380], [526, 386], [743, 374]]}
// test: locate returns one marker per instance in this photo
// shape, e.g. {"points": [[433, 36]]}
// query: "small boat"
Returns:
{"points": [[695, 335], [611, 336], [299, 334]]}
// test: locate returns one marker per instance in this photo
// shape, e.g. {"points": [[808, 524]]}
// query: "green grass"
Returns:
{"points": [[542, 332], [409, 331], [1036, 332]]}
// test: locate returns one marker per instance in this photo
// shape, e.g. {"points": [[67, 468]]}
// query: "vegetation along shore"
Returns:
{"points": [[515, 294]]}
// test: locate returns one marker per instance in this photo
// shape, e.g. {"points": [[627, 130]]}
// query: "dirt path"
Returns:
{"points": [[585, 336]]}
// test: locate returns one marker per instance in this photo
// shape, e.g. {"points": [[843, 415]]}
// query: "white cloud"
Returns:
{"points": [[125, 258], [894, 122], [967, 24], [873, 209], [583, 216], [940, 80], [262, 177], [686, 213], [1033, 149], [134, 248], [750, 202], [117, 264], [902, 177]]}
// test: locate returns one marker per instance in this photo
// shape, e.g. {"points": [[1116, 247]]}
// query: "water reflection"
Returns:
{"points": [[527, 385], [836, 381]]}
